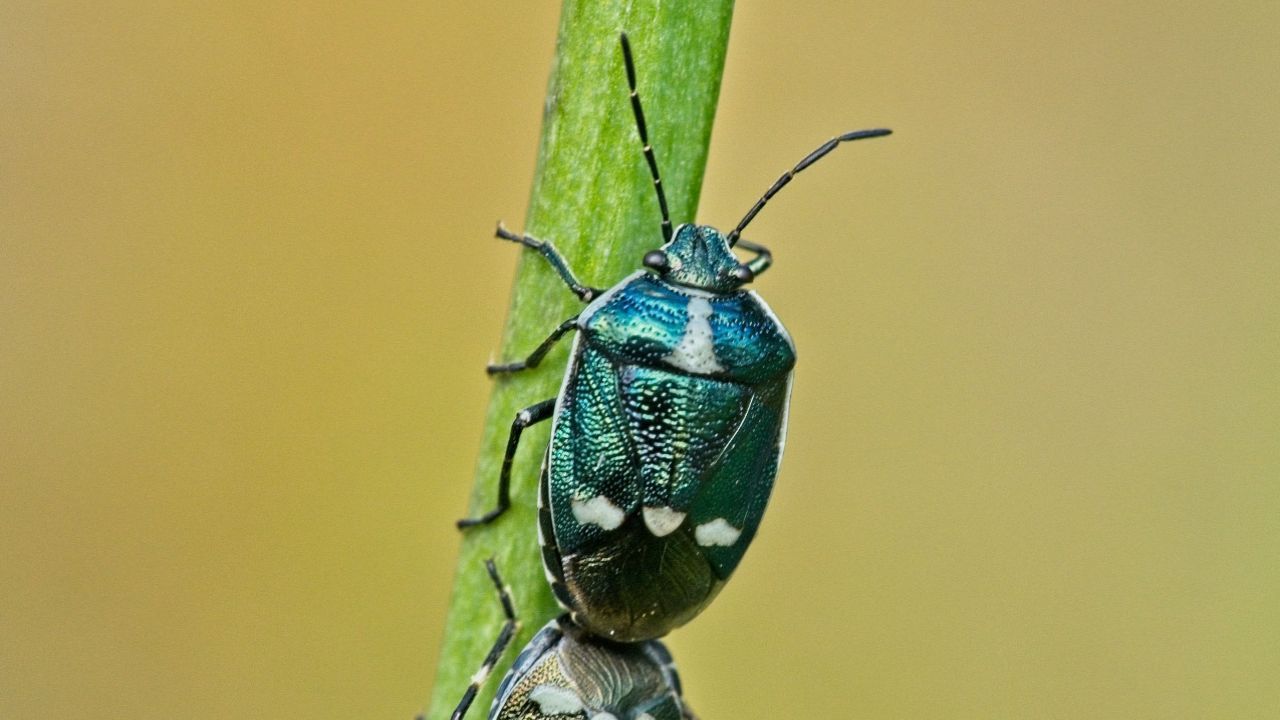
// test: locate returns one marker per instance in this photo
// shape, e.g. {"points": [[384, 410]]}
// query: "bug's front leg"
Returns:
{"points": [[529, 416], [536, 356], [761, 261], [553, 256]]}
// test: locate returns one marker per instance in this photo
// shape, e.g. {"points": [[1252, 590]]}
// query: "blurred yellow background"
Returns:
{"points": [[247, 287]]}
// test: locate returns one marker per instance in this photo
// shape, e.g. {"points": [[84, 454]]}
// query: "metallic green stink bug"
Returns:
{"points": [[566, 672], [668, 428]]}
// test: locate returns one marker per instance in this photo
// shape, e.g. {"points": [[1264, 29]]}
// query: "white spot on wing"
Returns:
{"points": [[644, 716], [717, 532], [554, 700], [662, 520], [696, 351], [598, 511], [611, 716]]}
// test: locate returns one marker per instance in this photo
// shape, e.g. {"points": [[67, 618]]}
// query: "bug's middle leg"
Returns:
{"points": [[529, 416], [536, 356]]}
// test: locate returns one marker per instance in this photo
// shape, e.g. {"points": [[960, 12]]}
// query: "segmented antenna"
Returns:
{"points": [[808, 160], [644, 137]]}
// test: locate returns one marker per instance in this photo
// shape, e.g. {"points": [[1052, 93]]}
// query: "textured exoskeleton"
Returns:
{"points": [[668, 428]]}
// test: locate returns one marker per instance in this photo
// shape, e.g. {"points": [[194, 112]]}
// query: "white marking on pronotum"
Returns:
{"points": [[554, 700], [717, 532], [611, 716], [598, 511], [662, 520], [696, 351], [644, 716]]}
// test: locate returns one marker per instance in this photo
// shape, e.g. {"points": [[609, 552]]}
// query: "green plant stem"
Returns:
{"points": [[592, 197]]}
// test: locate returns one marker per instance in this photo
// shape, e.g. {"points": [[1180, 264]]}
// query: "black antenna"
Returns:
{"points": [[644, 137], [808, 160]]}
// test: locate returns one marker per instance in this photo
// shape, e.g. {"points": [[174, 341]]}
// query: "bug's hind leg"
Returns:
{"points": [[529, 416], [557, 261], [509, 629], [536, 356]]}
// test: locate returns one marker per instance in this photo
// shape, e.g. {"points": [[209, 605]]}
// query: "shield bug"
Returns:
{"points": [[566, 672], [669, 425]]}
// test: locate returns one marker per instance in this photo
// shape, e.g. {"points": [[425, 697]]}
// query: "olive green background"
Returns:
{"points": [[247, 287]]}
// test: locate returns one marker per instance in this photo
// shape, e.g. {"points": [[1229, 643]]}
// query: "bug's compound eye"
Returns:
{"points": [[742, 274], [657, 260]]}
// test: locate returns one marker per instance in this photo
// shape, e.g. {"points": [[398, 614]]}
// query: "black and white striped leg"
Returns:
{"points": [[509, 629], [557, 261], [529, 416], [638, 111], [536, 356]]}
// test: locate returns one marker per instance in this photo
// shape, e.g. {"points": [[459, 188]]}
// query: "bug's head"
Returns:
{"points": [[698, 256]]}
